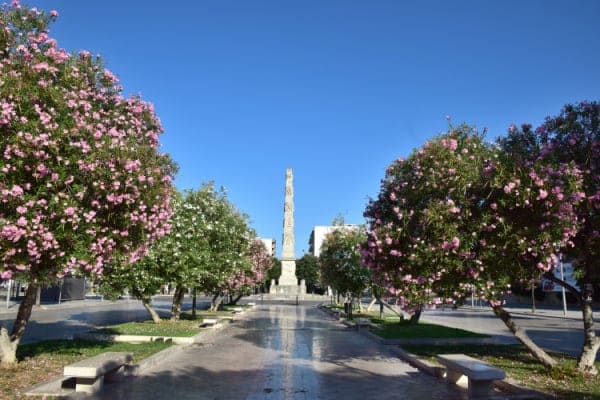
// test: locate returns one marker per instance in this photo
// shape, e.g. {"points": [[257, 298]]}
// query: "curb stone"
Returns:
{"points": [[197, 338]]}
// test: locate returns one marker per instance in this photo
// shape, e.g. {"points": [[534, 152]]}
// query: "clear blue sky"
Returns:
{"points": [[335, 89]]}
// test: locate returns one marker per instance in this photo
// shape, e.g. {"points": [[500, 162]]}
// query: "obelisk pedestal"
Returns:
{"points": [[288, 283]]}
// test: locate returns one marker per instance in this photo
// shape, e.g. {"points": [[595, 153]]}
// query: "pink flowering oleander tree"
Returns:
{"points": [[82, 179], [459, 218], [244, 280], [573, 136]]}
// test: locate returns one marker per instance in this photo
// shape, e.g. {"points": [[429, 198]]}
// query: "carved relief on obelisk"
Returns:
{"points": [[288, 258]]}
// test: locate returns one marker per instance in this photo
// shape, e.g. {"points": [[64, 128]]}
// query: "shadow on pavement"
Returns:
{"points": [[297, 383]]}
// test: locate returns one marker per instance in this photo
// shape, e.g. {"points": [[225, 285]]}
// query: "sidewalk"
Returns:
{"points": [[283, 351]]}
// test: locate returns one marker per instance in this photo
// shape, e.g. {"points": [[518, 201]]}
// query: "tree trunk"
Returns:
{"points": [[8, 349], [151, 311], [9, 344], [216, 301], [371, 304], [213, 301], [591, 343], [237, 298], [176, 307], [38, 296], [194, 304], [414, 319], [520, 334], [389, 307], [576, 293]]}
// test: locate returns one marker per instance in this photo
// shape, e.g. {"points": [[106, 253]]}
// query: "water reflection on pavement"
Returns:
{"points": [[283, 351]]}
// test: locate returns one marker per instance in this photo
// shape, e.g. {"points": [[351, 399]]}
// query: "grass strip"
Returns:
{"points": [[181, 328], [39, 362], [405, 330], [563, 382]]}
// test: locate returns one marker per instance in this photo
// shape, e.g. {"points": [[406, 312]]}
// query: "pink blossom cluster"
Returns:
{"points": [[573, 137], [260, 263], [82, 177]]}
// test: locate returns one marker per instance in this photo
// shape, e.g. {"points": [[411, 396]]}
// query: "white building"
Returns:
{"points": [[269, 244], [317, 236]]}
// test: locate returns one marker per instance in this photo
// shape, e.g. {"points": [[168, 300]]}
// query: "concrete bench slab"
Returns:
{"points": [[481, 375], [89, 373], [365, 322], [209, 321]]}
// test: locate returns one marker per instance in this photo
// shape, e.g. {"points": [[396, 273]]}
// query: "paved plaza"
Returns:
{"points": [[283, 351]]}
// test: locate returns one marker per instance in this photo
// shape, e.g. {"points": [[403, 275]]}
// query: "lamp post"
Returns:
{"points": [[8, 289]]}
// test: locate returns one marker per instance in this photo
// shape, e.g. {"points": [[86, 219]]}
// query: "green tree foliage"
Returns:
{"points": [[340, 261], [208, 245], [275, 271], [243, 281], [307, 268]]}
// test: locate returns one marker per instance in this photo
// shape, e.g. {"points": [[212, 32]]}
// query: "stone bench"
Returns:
{"points": [[480, 374], [209, 321], [364, 322], [89, 373]]}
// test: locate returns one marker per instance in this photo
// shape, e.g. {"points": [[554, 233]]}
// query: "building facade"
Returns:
{"points": [[317, 236], [269, 244]]}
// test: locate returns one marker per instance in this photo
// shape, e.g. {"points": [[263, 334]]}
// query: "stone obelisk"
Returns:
{"points": [[288, 283], [288, 257]]}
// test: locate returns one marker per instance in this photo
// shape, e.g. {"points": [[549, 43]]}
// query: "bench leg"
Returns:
{"points": [[89, 385], [480, 389], [452, 376]]}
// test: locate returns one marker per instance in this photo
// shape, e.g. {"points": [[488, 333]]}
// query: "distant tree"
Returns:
{"points": [[208, 245], [275, 271], [340, 262], [244, 281], [141, 281], [225, 244], [307, 268], [83, 182]]}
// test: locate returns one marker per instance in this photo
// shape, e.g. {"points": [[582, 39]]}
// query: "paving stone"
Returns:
{"points": [[283, 352]]}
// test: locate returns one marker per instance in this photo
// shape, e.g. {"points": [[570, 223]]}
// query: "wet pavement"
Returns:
{"points": [[283, 351]]}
